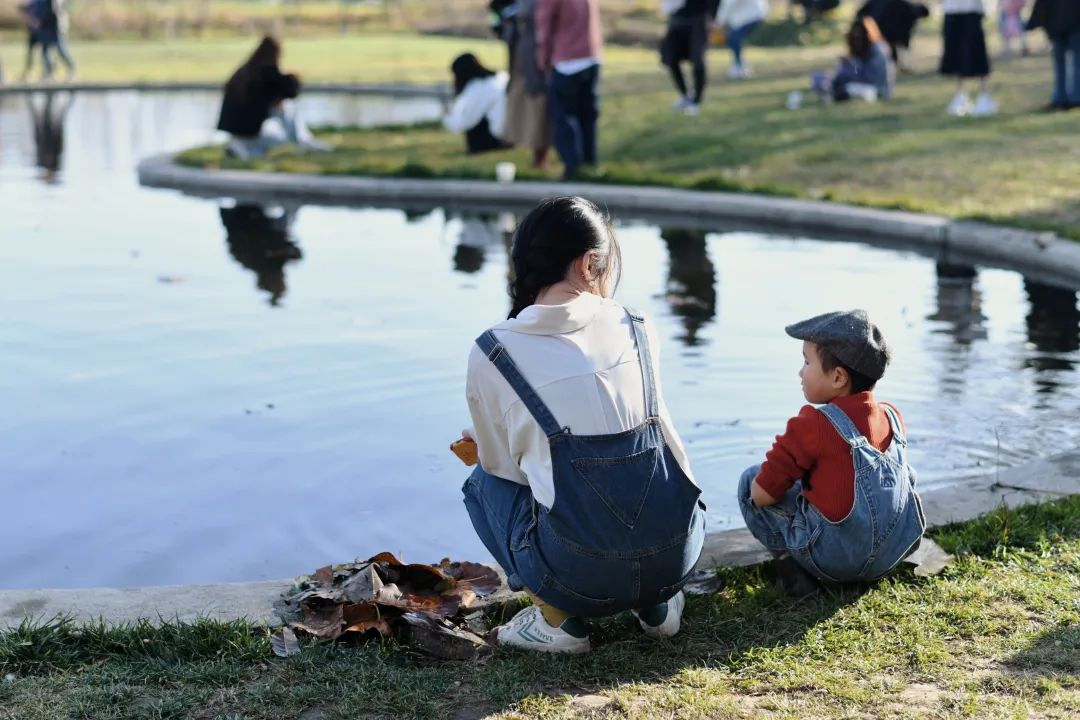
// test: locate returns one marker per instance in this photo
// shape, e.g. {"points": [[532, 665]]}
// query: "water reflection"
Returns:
{"points": [[259, 240], [478, 233], [959, 303], [48, 111], [691, 284], [1053, 327]]}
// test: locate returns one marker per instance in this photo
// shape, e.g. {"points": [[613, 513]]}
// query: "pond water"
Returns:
{"points": [[199, 391]]}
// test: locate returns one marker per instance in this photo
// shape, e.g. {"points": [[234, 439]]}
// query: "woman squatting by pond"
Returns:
{"points": [[583, 492]]}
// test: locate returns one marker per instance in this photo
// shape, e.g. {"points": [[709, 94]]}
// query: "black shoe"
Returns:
{"points": [[1056, 107], [793, 580]]}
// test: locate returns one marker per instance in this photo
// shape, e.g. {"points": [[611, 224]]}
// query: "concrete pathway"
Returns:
{"points": [[256, 602]]}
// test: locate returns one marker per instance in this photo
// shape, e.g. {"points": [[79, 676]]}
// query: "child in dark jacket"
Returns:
{"points": [[835, 498]]}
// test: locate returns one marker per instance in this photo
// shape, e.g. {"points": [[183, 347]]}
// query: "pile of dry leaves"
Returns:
{"points": [[384, 597]]}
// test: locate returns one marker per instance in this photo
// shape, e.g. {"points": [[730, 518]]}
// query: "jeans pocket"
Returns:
{"points": [[522, 534], [559, 596], [805, 557]]}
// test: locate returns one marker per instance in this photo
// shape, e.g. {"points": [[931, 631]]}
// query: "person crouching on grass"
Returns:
{"points": [[835, 498]]}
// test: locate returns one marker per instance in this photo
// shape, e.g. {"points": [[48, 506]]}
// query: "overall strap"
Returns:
{"points": [[894, 423], [648, 380], [843, 424], [500, 358]]}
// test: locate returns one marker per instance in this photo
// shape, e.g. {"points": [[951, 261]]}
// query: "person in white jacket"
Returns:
{"points": [[479, 108], [740, 18]]}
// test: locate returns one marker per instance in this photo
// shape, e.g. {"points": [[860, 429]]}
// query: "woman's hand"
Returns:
{"points": [[465, 449]]}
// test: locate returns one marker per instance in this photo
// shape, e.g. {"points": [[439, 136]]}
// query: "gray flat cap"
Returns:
{"points": [[851, 337]]}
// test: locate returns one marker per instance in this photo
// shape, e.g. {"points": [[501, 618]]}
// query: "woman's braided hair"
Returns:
{"points": [[554, 234]]}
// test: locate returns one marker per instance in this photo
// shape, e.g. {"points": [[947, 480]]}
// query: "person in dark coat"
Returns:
{"points": [[686, 40], [897, 20], [1061, 21], [257, 93]]}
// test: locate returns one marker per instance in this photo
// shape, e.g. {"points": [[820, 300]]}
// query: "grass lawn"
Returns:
{"points": [[1019, 168], [997, 635], [369, 57]]}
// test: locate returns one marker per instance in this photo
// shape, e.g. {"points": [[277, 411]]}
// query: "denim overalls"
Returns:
{"points": [[626, 527], [884, 526]]}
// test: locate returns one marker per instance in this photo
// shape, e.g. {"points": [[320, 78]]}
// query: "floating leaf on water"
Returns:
{"points": [[284, 643]]}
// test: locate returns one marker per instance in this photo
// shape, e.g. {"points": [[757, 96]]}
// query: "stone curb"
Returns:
{"points": [[257, 602], [438, 92], [1044, 255]]}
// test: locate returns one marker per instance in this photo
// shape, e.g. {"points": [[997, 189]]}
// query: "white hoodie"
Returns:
{"points": [[958, 7], [482, 97], [735, 14]]}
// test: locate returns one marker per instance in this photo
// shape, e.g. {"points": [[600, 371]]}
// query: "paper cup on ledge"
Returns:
{"points": [[505, 172]]}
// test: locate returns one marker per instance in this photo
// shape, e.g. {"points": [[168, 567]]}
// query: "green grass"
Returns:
{"points": [[1018, 168], [997, 635]]}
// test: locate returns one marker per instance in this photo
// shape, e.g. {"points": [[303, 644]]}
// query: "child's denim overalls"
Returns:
{"points": [[884, 526], [626, 527]]}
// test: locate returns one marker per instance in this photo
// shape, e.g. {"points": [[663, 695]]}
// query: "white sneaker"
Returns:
{"points": [[960, 105], [692, 109], [670, 623], [530, 631], [738, 72], [984, 106], [681, 104]]}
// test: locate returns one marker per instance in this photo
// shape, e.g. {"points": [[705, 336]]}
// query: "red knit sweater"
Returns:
{"points": [[810, 449]]}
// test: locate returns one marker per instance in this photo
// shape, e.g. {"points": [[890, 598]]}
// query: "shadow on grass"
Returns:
{"points": [[1054, 652], [211, 669]]}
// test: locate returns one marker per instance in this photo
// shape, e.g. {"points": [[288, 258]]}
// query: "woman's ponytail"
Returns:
{"points": [[554, 234]]}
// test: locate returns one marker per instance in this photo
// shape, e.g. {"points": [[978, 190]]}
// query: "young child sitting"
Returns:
{"points": [[835, 498]]}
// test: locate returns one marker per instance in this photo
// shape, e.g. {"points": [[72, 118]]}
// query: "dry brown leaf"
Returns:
{"points": [[284, 643], [364, 585], [324, 576], [322, 622]]}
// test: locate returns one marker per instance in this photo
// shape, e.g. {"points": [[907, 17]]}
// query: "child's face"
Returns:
{"points": [[818, 385]]}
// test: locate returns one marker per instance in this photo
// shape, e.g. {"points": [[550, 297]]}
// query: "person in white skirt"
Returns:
{"points": [[965, 56]]}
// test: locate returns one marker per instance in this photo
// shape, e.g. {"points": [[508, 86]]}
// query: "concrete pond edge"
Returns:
{"points": [[259, 603], [1042, 255], [396, 90]]}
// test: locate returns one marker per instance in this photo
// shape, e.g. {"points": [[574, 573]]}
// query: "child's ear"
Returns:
{"points": [[840, 377]]}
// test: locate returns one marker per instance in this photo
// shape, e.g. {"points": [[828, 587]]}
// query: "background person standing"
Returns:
{"points": [[526, 95], [569, 45], [1061, 21], [687, 39], [740, 18]]}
